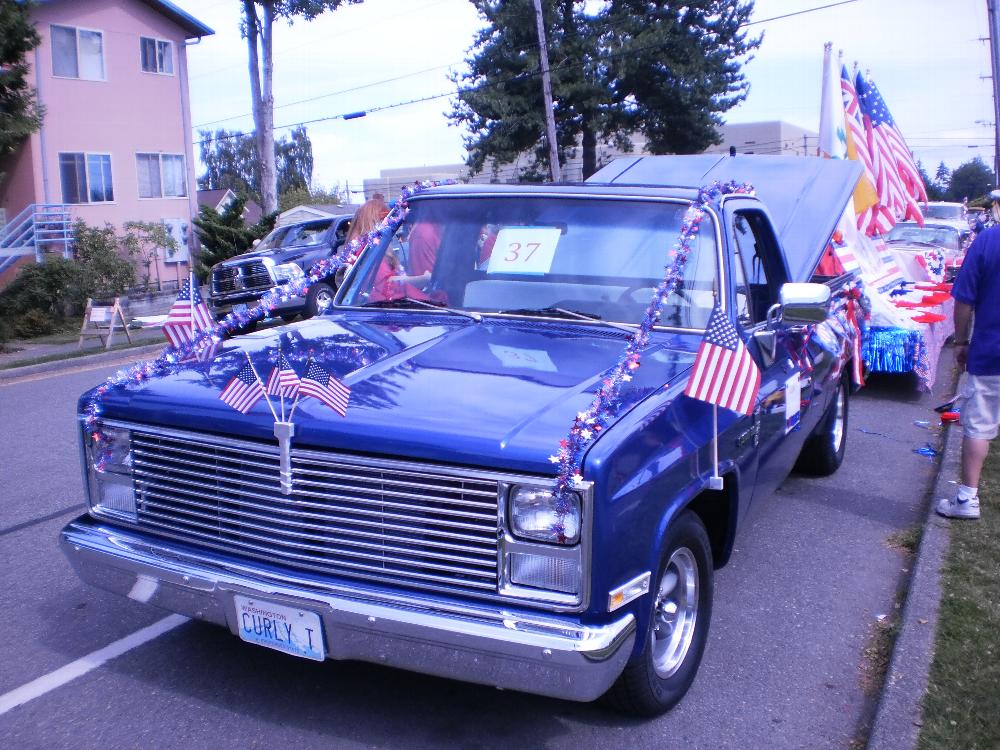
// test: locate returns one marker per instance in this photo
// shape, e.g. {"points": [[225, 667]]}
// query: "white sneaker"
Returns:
{"points": [[956, 508]]}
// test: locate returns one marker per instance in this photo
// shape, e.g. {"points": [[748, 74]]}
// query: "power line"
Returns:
{"points": [[332, 93], [517, 77]]}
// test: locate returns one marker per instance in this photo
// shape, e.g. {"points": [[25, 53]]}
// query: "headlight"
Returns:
{"points": [[533, 515], [288, 272], [109, 473]]}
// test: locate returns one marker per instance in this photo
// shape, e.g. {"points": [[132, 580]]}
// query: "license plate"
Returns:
{"points": [[239, 308], [295, 631]]}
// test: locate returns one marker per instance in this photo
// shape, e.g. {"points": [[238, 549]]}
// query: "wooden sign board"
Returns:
{"points": [[101, 320]]}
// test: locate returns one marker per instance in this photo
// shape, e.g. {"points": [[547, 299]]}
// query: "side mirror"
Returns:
{"points": [[804, 304]]}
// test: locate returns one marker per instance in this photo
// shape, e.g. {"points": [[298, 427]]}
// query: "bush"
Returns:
{"points": [[55, 288], [34, 323], [105, 272], [43, 295]]}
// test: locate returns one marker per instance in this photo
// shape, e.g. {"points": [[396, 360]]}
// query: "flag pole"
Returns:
{"points": [[715, 481], [194, 332], [281, 391], [298, 394], [261, 384]]}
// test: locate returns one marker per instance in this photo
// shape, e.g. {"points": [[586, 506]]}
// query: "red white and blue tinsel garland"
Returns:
{"points": [[588, 424], [205, 342]]}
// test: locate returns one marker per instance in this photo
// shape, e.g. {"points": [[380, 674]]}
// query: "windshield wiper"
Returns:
{"points": [[404, 302], [561, 312]]}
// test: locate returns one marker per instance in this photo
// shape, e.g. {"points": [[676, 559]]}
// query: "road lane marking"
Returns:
{"points": [[51, 681]]}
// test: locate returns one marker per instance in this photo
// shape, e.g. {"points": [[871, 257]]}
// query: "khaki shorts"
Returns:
{"points": [[981, 409]]}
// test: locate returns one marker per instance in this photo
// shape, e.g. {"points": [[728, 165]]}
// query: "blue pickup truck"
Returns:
{"points": [[418, 527]]}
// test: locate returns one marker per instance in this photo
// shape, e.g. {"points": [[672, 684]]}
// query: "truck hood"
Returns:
{"points": [[426, 386], [278, 255], [805, 197]]}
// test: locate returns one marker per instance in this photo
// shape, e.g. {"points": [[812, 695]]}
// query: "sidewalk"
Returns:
{"points": [[898, 717], [20, 359]]}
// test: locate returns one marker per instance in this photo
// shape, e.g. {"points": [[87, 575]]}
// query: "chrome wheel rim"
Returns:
{"points": [[840, 409], [323, 300], [675, 613]]}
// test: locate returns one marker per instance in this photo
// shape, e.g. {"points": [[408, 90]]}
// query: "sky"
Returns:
{"points": [[927, 57]]}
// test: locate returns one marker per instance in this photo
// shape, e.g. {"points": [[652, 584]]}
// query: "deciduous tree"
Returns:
{"points": [[230, 160], [258, 29], [971, 180]]}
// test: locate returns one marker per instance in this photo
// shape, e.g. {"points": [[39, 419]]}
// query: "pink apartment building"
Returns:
{"points": [[115, 144]]}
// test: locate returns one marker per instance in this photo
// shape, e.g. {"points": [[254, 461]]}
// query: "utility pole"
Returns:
{"points": [[994, 17], [550, 118]]}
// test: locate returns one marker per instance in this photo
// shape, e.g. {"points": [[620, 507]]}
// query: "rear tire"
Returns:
{"points": [[681, 610], [823, 452]]}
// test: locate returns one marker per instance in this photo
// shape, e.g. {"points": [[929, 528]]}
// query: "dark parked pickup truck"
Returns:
{"points": [[283, 255], [421, 529]]}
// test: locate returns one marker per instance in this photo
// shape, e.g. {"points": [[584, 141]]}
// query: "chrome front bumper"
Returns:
{"points": [[475, 643]]}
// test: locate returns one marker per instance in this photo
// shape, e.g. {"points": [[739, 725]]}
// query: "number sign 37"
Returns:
{"points": [[527, 250]]}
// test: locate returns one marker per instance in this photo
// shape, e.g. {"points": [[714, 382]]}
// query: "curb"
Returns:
{"points": [[131, 354], [899, 717]]}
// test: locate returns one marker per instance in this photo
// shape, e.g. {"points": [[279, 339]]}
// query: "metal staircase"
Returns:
{"points": [[40, 228]]}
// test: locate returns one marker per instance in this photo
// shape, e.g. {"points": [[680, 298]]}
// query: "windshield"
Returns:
{"points": [[945, 237], [310, 233], [944, 212], [540, 256]]}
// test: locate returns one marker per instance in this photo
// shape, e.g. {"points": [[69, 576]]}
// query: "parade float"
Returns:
{"points": [[911, 305]]}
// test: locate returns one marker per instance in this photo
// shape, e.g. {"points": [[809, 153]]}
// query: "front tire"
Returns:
{"points": [[319, 299], [681, 604], [823, 452]]}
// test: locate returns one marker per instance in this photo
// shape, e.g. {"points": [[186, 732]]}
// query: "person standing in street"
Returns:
{"points": [[977, 341]]}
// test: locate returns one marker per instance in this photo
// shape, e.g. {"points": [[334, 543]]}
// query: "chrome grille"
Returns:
{"points": [[385, 521], [252, 275]]}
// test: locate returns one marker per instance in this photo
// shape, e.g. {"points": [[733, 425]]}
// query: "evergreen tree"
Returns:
{"points": [[654, 67], [942, 176], [934, 192], [20, 112], [224, 235]]}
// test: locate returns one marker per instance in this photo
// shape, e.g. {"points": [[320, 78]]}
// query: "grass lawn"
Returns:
{"points": [[962, 704]]}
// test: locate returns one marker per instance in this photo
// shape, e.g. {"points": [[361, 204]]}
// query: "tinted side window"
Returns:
{"points": [[756, 252]]}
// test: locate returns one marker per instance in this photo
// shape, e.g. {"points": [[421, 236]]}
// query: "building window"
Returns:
{"points": [[161, 175], [77, 53], [86, 178], [157, 56]]}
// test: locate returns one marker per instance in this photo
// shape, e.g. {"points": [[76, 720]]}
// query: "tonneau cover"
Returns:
{"points": [[805, 196]]}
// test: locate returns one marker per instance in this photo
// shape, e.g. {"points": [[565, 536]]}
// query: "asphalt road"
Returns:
{"points": [[794, 612]]}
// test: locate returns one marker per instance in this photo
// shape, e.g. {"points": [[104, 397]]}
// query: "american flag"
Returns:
{"points": [[283, 381], [900, 185], [873, 217], [188, 316], [320, 384], [206, 352], [724, 372], [244, 390]]}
